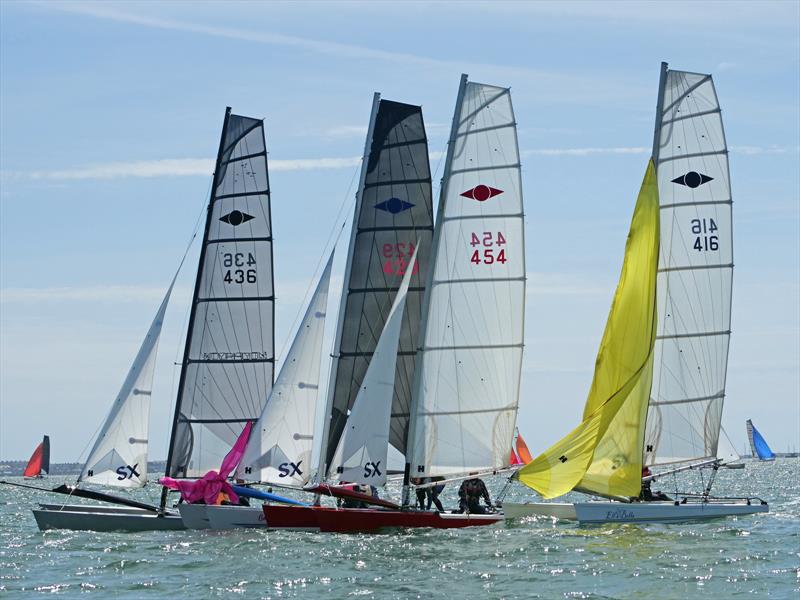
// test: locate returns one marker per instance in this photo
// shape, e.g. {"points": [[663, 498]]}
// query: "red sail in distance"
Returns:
{"points": [[40, 459], [522, 450]]}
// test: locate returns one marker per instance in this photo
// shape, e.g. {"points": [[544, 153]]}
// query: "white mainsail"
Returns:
{"points": [[279, 449], [361, 456], [467, 380], [119, 455], [695, 272]]}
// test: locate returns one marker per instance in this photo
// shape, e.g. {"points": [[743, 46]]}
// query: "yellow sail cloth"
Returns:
{"points": [[604, 453]]}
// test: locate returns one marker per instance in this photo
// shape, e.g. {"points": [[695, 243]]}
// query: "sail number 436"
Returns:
{"points": [[488, 247], [704, 230], [239, 259]]}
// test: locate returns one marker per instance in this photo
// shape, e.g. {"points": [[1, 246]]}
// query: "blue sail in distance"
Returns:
{"points": [[758, 444]]}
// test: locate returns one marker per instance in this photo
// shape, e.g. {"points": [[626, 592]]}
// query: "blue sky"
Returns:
{"points": [[110, 116]]}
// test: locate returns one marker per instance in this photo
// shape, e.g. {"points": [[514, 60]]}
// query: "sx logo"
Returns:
{"points": [[127, 472], [290, 469], [372, 469]]}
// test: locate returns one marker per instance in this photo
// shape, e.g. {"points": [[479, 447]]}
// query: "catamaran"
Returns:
{"points": [[39, 462], [459, 413], [227, 367], [758, 445], [659, 384]]}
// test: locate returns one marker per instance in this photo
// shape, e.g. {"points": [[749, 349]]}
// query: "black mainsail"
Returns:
{"points": [[229, 357], [393, 214]]}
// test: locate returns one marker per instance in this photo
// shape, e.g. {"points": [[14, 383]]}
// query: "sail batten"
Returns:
{"points": [[229, 355]]}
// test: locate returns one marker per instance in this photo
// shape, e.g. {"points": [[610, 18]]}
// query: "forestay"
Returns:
{"points": [[361, 454], [468, 374], [393, 213], [279, 450], [695, 272], [229, 357], [119, 455]]}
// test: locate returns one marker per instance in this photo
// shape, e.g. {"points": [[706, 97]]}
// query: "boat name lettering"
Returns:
{"points": [[127, 472], [289, 469], [620, 514]]}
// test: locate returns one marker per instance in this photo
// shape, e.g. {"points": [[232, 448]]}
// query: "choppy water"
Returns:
{"points": [[750, 556]]}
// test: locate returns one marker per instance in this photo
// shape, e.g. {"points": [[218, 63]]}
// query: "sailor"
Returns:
{"points": [[433, 494], [647, 494], [421, 492], [470, 494]]}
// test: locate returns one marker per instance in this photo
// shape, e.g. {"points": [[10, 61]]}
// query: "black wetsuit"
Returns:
{"points": [[470, 494]]}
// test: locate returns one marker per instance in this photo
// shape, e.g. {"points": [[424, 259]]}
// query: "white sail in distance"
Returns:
{"points": [[361, 456], [119, 455], [694, 274], [467, 380], [279, 449]]}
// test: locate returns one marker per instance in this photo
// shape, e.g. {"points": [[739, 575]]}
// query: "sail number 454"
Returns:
{"points": [[239, 259], [704, 230], [488, 248]]}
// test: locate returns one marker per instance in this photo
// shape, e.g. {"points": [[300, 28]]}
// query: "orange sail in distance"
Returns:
{"points": [[520, 455], [40, 460]]}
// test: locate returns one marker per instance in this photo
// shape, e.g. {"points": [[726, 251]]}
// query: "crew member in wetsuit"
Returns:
{"points": [[421, 492], [433, 494], [647, 495], [470, 494]]}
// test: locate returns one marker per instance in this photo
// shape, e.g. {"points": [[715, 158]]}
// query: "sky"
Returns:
{"points": [[109, 121]]}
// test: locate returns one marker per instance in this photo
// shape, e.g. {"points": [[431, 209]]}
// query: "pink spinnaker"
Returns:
{"points": [[207, 489]]}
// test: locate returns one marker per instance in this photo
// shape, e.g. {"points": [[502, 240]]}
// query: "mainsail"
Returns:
{"points": [[393, 214], [758, 444], [279, 450], [469, 363], [228, 362], [694, 274], [361, 454], [39, 462], [602, 455], [119, 455]]}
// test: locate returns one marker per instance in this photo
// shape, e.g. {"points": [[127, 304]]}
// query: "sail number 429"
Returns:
{"points": [[240, 275], [704, 230], [487, 247]]}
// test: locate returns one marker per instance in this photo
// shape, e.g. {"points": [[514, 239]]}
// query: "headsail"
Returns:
{"points": [[229, 356], [467, 381], [603, 454], [119, 455], [694, 273], [758, 444], [361, 454], [279, 451], [393, 213]]}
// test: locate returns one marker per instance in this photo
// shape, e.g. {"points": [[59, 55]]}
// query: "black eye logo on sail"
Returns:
{"points": [[692, 179], [236, 217], [394, 205]]}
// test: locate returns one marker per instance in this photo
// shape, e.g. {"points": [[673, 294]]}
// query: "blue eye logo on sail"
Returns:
{"points": [[394, 205], [692, 179], [236, 217]]}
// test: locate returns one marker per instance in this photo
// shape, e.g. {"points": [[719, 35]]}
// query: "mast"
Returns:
{"points": [[662, 83], [417, 387], [326, 415], [193, 313]]}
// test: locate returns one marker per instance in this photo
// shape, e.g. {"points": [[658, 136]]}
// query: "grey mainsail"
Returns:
{"points": [[393, 213], [228, 363]]}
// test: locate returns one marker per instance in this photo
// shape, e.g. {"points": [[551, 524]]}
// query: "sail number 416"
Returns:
{"points": [[704, 230], [239, 259], [484, 245]]}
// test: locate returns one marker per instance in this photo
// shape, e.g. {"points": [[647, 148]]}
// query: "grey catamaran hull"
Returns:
{"points": [[104, 518]]}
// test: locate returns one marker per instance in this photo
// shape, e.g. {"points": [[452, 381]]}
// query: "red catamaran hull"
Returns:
{"points": [[349, 520]]}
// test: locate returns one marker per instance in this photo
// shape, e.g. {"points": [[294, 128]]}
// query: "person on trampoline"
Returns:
{"points": [[470, 494], [647, 495]]}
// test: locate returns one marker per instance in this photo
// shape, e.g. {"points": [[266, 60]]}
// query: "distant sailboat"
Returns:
{"points": [[659, 382], [758, 444], [39, 463]]}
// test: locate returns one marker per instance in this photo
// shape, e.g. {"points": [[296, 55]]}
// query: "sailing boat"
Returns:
{"points": [[659, 381], [462, 413], [39, 462], [228, 359], [758, 445]]}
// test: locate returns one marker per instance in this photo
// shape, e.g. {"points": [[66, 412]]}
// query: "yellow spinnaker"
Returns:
{"points": [[604, 453]]}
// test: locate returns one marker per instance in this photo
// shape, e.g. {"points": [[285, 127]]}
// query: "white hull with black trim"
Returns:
{"points": [[102, 518]]}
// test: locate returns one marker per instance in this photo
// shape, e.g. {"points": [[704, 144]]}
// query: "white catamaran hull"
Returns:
{"points": [[635, 512], [232, 517], [101, 518], [194, 516]]}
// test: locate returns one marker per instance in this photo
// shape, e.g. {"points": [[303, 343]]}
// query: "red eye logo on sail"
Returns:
{"points": [[481, 193]]}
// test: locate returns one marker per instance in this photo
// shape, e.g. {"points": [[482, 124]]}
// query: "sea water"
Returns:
{"points": [[753, 556]]}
